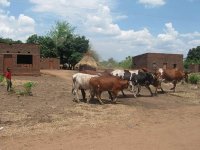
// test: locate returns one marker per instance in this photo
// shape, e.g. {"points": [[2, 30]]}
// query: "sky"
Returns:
{"points": [[115, 28]]}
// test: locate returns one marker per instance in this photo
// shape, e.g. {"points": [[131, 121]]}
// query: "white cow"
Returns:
{"points": [[81, 82]]}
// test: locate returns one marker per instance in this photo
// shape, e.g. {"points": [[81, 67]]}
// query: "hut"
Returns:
{"points": [[86, 63]]}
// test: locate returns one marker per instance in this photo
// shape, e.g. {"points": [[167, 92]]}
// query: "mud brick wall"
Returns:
{"points": [[49, 63], [8, 58], [158, 60]]}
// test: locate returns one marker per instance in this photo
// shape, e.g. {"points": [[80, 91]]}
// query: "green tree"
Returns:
{"points": [[60, 33], [74, 48], [193, 55], [9, 41], [47, 46], [33, 39], [63, 43], [127, 63], [110, 63]]}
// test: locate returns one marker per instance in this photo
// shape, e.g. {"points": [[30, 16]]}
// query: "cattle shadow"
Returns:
{"points": [[95, 101]]}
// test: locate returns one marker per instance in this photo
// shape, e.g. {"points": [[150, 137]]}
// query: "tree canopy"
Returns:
{"points": [[193, 57], [9, 41], [61, 42]]}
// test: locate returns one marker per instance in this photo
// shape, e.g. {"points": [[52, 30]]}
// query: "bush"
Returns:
{"points": [[28, 87], [194, 78], [1, 78]]}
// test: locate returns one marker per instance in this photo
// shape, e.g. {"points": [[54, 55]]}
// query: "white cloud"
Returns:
{"points": [[170, 33], [152, 3], [95, 20], [16, 28], [4, 3], [194, 42]]}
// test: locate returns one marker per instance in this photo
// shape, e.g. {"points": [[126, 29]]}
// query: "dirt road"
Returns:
{"points": [[164, 122]]}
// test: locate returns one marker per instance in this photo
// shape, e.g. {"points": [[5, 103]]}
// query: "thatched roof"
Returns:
{"points": [[87, 60]]}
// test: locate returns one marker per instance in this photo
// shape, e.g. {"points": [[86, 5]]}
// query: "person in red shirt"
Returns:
{"points": [[8, 79]]}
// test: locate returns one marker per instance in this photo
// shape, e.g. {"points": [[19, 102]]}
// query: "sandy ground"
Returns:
{"points": [[50, 120]]}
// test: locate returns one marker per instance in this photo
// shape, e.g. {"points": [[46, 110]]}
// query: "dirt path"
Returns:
{"points": [[164, 122]]}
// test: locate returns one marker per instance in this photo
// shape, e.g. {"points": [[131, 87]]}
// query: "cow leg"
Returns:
{"points": [[160, 87], [162, 90], [99, 97], [123, 93], [115, 96], [134, 89], [110, 95], [77, 96], [83, 94], [147, 86], [174, 83], [139, 89], [92, 94]]}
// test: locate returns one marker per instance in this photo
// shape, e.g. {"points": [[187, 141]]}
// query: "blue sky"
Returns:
{"points": [[115, 28]]}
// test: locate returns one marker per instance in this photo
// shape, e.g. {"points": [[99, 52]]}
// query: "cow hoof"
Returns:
{"points": [[138, 95]]}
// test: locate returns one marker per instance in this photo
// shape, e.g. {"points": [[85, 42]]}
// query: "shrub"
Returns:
{"points": [[28, 87], [194, 78], [1, 78]]}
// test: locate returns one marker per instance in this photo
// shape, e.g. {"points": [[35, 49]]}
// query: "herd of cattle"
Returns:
{"points": [[117, 80]]}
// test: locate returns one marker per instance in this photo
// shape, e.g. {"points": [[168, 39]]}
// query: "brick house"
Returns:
{"points": [[152, 61], [23, 59]]}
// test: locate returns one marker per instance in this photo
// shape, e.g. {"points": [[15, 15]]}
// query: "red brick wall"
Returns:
{"points": [[49, 63], [140, 61], [20, 49], [159, 59]]}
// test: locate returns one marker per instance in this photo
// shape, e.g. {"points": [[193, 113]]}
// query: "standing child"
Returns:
{"points": [[8, 79]]}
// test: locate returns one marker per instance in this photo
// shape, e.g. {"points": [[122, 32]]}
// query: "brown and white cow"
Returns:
{"points": [[80, 81], [171, 75], [107, 83]]}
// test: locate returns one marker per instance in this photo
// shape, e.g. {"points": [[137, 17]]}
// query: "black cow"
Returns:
{"points": [[137, 79]]}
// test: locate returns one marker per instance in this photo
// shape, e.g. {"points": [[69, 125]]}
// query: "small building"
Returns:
{"points": [[86, 63], [49, 63], [152, 61], [22, 59]]}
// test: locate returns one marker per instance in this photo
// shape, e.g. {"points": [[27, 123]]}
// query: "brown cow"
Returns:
{"points": [[106, 83], [171, 75]]}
